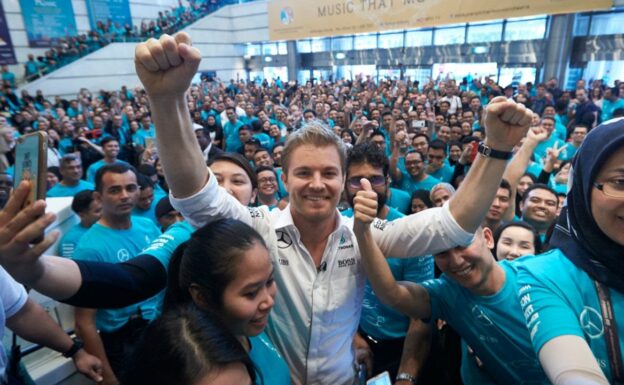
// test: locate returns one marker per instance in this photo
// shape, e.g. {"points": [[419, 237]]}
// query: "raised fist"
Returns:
{"points": [[166, 66], [506, 123]]}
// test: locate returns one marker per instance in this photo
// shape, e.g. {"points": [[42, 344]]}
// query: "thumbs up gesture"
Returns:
{"points": [[364, 206], [166, 66]]}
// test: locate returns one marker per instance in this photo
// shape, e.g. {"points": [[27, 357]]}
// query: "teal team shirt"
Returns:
{"points": [[271, 369], [103, 244], [378, 320], [493, 326], [399, 200], [70, 239], [444, 173], [59, 190], [409, 185], [560, 299]]}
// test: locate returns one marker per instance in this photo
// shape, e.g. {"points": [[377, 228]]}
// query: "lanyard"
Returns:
{"points": [[611, 334]]}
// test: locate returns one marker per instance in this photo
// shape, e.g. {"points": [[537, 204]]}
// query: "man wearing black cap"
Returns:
{"points": [[166, 215]]}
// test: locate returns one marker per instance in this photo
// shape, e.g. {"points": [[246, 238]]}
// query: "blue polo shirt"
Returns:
{"points": [[59, 190]]}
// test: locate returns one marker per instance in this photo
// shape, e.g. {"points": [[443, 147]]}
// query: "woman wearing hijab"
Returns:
{"points": [[573, 295]]}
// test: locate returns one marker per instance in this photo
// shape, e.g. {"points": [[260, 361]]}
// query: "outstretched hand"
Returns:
{"points": [[19, 229], [364, 206], [166, 66], [506, 123]]}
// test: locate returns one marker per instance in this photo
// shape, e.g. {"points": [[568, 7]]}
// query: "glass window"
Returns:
{"points": [[516, 75], [320, 45], [418, 38], [391, 40], [365, 41], [304, 46], [581, 25], [445, 36], [272, 73], [253, 49], [607, 24], [525, 30], [524, 18], [422, 75], [484, 33], [269, 49], [389, 73], [342, 43], [282, 48], [458, 71]]}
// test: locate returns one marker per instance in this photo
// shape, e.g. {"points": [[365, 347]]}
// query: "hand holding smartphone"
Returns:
{"points": [[380, 379], [31, 161]]}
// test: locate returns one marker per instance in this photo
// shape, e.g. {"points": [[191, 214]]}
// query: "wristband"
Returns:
{"points": [[406, 377], [78, 344], [489, 152]]}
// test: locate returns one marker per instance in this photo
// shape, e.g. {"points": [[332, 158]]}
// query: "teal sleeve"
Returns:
{"points": [[545, 303], [162, 248]]}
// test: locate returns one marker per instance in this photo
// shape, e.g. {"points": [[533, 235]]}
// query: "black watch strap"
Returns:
{"points": [[78, 344], [492, 153]]}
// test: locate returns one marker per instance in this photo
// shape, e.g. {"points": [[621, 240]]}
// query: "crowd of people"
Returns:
{"points": [[448, 232], [68, 49]]}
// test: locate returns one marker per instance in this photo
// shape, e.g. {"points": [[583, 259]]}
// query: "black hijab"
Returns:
{"points": [[577, 234]]}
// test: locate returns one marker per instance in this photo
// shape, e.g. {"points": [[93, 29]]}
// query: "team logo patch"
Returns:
{"points": [[591, 322], [283, 239]]}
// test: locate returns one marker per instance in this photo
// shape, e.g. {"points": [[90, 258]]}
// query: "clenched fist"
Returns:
{"points": [[166, 66]]}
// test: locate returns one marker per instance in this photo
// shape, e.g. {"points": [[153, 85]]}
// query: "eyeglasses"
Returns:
{"points": [[613, 188], [266, 180], [375, 180]]}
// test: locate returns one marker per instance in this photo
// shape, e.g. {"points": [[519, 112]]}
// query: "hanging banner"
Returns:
{"points": [[296, 19], [7, 54], [117, 11], [47, 21]]}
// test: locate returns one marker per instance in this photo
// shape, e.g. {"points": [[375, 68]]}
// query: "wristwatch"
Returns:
{"points": [[488, 151], [78, 344], [406, 377]]}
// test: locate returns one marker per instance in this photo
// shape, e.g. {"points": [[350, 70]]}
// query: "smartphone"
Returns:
{"points": [[380, 379], [31, 163], [473, 151]]}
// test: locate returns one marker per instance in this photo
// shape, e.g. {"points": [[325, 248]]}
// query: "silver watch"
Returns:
{"points": [[406, 377]]}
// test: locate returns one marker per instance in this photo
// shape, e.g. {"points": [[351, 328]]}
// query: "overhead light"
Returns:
{"points": [[340, 55], [480, 50], [268, 59], [247, 56]]}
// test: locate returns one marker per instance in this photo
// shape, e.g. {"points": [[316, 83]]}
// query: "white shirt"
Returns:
{"points": [[316, 313], [12, 298]]}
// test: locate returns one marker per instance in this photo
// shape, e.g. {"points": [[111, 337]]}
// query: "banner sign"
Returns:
{"points": [[7, 54], [296, 19], [118, 11], [47, 21]]}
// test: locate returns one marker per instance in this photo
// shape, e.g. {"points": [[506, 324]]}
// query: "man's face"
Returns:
{"points": [[387, 121], [374, 175], [231, 115], [263, 158], [499, 205], [308, 116], [250, 150], [414, 164], [92, 214], [72, 171], [146, 197], [548, 125], [436, 158], [420, 144], [469, 266], [581, 95], [111, 149], [444, 133], [475, 103], [120, 193], [379, 141], [244, 135], [277, 155], [201, 139], [540, 207], [117, 121], [578, 135], [169, 219], [314, 181]]}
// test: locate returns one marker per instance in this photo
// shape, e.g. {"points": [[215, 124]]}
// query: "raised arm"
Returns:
{"points": [[506, 123], [166, 67], [407, 297], [519, 163]]}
